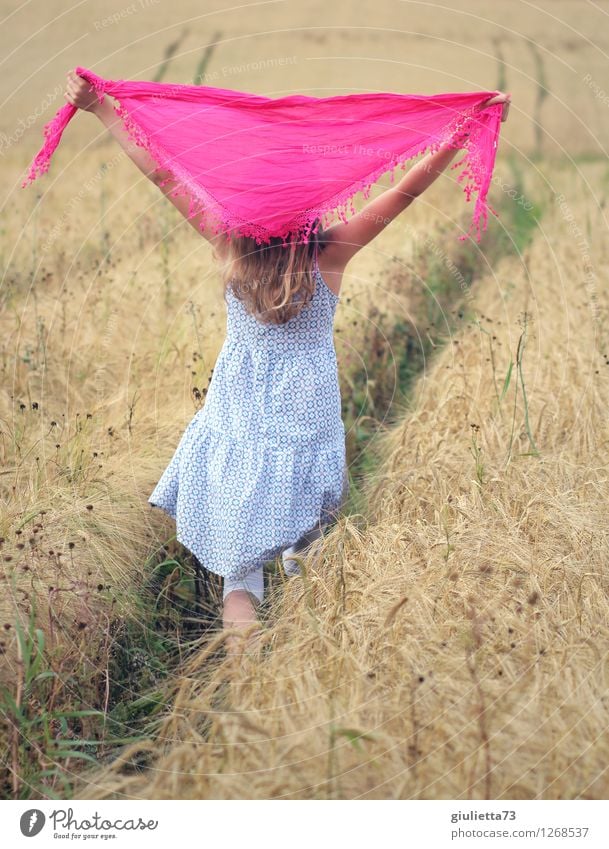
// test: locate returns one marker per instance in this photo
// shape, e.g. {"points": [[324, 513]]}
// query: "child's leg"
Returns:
{"points": [[252, 583], [241, 598], [290, 567]]}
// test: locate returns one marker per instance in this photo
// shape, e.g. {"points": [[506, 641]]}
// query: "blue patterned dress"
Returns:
{"points": [[263, 461]]}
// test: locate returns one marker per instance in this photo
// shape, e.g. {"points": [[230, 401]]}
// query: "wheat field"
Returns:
{"points": [[449, 639]]}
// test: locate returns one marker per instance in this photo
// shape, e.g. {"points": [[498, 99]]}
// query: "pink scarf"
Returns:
{"points": [[267, 167]]}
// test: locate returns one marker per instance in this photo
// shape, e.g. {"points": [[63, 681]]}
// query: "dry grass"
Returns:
{"points": [[454, 645]]}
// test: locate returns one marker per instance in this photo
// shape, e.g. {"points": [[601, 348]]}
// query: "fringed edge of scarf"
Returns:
{"points": [[475, 174]]}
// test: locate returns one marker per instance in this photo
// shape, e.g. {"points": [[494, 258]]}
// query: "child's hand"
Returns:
{"points": [[80, 93], [461, 136], [499, 98]]}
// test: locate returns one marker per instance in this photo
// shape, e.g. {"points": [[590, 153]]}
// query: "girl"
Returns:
{"points": [[260, 470]]}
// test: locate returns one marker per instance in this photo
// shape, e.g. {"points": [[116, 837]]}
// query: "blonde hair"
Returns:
{"points": [[276, 280]]}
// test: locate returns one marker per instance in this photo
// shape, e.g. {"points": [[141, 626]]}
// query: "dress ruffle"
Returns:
{"points": [[238, 505]]}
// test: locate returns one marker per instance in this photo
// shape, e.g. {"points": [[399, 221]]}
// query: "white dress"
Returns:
{"points": [[263, 461]]}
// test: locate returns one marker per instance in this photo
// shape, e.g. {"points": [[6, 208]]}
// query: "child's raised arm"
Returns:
{"points": [[346, 238], [81, 94]]}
